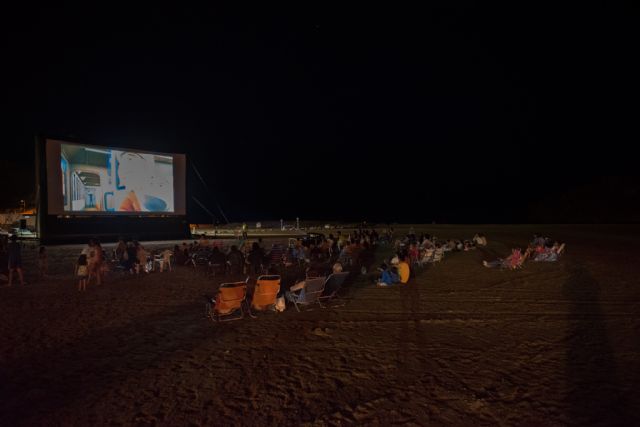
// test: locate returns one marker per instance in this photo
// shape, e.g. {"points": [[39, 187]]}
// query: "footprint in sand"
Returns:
{"points": [[321, 332]]}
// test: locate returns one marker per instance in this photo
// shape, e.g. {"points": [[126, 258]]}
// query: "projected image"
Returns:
{"points": [[105, 180]]}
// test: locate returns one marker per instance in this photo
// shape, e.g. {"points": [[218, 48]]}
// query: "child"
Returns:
{"points": [[82, 271], [42, 261], [389, 276]]}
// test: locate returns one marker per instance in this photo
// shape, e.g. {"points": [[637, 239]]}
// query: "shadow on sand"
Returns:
{"points": [[594, 393]]}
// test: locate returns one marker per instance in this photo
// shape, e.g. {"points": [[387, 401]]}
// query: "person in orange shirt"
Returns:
{"points": [[403, 269]]}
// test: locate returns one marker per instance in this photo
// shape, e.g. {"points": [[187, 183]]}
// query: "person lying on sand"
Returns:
{"points": [[513, 261]]}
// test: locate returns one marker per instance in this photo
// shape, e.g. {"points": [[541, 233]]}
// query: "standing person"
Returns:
{"points": [[42, 262], [15, 259], [82, 272], [255, 258], [244, 230], [94, 261]]}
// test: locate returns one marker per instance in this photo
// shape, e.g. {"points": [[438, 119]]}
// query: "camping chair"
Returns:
{"points": [[427, 257], [231, 297], [200, 258], [310, 294], [438, 254], [332, 286], [265, 293], [160, 263]]}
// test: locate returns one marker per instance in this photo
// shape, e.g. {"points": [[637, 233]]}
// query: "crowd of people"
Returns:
{"points": [[247, 257], [539, 249], [295, 261], [414, 251]]}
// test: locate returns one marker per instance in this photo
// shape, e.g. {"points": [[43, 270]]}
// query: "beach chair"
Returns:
{"points": [[426, 258], [265, 293], [438, 254], [161, 264], [230, 299], [310, 294], [200, 258], [332, 286]]}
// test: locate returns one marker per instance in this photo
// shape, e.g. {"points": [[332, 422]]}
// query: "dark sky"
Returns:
{"points": [[465, 113]]}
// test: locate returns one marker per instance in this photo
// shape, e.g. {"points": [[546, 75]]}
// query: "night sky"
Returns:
{"points": [[466, 113]]}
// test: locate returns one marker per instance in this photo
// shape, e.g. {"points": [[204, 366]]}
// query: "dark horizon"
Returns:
{"points": [[473, 113]]}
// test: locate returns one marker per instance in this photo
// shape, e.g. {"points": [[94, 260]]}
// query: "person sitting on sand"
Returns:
{"points": [[388, 277], [403, 269], [480, 240], [551, 253]]}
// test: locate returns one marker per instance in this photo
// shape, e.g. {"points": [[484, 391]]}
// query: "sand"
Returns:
{"points": [[551, 344]]}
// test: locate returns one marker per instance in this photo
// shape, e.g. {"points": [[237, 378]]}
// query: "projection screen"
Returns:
{"points": [[98, 180]]}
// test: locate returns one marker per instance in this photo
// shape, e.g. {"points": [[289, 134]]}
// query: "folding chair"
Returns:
{"points": [[332, 286], [438, 254], [310, 294], [231, 297], [265, 293]]}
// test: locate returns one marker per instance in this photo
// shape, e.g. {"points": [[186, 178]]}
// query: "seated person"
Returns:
{"points": [[235, 259], [289, 258], [388, 277], [178, 255], [255, 258], [316, 270], [403, 269], [550, 253], [166, 260], [480, 240]]}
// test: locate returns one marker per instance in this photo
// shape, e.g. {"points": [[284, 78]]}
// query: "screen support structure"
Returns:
{"points": [[210, 194]]}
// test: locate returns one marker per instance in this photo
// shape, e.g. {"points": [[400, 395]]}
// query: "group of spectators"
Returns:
{"points": [[539, 249]]}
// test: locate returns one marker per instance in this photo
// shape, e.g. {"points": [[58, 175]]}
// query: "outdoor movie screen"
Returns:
{"points": [[85, 179]]}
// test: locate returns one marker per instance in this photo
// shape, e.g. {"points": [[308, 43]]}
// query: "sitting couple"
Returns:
{"points": [[398, 273]]}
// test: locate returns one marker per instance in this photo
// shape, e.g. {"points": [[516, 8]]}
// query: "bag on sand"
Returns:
{"points": [[280, 304]]}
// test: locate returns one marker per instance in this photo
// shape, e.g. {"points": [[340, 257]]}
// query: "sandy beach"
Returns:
{"points": [[552, 344]]}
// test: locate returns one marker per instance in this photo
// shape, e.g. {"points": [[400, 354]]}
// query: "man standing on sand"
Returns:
{"points": [[15, 260], [244, 230]]}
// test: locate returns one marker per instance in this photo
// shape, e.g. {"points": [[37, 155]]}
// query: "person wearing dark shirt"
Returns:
{"points": [[255, 258], [235, 259], [15, 260]]}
